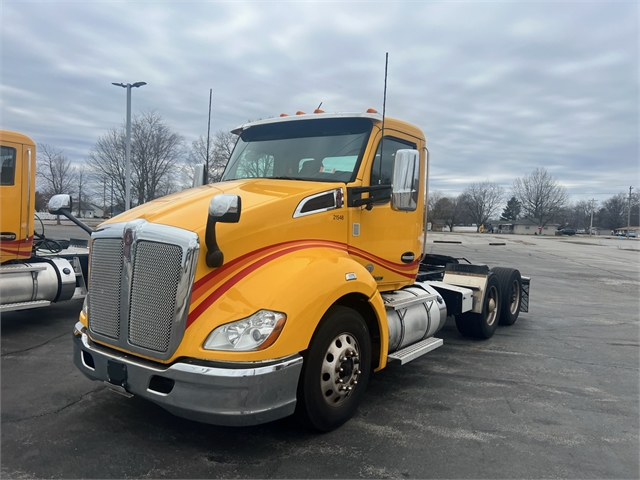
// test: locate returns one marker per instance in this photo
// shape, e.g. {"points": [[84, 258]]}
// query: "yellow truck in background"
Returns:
{"points": [[278, 290], [30, 278]]}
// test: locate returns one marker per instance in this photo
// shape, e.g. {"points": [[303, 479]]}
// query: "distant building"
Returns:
{"points": [[529, 227], [622, 231], [89, 210]]}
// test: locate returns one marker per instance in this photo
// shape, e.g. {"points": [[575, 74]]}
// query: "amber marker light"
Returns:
{"points": [[300, 112], [274, 334], [371, 110]]}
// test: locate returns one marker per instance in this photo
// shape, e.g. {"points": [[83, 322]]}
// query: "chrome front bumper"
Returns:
{"points": [[234, 394]]}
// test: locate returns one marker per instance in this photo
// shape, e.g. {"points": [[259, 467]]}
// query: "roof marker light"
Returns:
{"points": [[284, 115], [371, 110], [317, 110], [300, 112]]}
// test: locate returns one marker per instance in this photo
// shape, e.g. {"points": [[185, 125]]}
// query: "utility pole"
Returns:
{"points": [[592, 202], [629, 213], [111, 198], [127, 188], [206, 167]]}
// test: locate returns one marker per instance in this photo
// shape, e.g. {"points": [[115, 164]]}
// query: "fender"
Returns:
{"points": [[302, 283]]}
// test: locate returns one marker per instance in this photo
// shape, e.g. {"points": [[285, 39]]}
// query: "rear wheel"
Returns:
{"points": [[335, 371], [510, 290], [484, 324]]}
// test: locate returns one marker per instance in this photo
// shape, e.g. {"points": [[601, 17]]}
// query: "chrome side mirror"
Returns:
{"points": [[406, 181], [224, 208], [61, 205], [59, 202]]}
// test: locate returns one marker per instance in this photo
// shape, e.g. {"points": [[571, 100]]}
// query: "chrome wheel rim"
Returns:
{"points": [[515, 297], [340, 369], [491, 304]]}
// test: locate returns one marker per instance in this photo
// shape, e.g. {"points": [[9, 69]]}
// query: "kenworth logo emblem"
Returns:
{"points": [[128, 240]]}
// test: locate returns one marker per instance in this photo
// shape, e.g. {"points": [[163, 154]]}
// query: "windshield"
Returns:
{"points": [[326, 150]]}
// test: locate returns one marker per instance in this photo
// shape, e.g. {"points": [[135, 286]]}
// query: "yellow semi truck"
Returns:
{"points": [[281, 288], [30, 278]]}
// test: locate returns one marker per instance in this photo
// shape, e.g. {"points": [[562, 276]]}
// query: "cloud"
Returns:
{"points": [[498, 88]]}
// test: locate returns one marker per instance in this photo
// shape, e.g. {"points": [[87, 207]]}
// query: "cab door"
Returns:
{"points": [[17, 196], [388, 242]]}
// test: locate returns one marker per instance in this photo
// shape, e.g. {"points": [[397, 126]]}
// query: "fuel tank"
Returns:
{"points": [[51, 279], [413, 314]]}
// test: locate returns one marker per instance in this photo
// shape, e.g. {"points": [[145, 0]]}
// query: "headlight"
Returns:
{"points": [[85, 306], [256, 332]]}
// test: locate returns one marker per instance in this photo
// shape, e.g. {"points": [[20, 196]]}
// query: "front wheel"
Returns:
{"points": [[484, 324], [335, 371]]}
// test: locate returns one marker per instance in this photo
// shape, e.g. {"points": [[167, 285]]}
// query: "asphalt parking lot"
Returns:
{"points": [[554, 396]]}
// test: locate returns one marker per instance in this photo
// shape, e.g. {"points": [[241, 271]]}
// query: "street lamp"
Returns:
{"points": [[127, 188]]}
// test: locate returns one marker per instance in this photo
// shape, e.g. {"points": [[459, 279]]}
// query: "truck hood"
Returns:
{"points": [[188, 209]]}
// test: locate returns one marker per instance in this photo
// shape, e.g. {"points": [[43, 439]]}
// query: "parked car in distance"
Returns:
{"points": [[568, 231]]}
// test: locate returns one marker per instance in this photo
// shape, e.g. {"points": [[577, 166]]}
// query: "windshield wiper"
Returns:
{"points": [[284, 177]]}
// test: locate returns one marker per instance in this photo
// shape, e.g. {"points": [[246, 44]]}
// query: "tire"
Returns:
{"points": [[510, 291], [483, 325], [328, 397]]}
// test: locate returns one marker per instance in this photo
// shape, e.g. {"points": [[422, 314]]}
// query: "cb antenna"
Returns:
{"points": [[384, 109]]}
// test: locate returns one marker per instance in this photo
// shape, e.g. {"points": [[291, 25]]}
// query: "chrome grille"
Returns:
{"points": [[140, 285], [156, 273], [105, 272]]}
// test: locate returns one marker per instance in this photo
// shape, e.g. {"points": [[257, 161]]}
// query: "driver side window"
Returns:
{"points": [[382, 169]]}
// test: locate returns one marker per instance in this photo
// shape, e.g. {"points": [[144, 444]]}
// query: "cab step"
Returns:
{"points": [[412, 352], [10, 307]]}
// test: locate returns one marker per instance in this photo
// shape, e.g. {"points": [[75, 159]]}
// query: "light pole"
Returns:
{"points": [[127, 168]]}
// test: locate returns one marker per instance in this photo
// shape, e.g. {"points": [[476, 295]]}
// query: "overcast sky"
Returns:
{"points": [[499, 88]]}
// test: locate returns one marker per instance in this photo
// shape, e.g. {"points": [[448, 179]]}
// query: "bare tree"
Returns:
{"points": [[481, 200], [540, 195], [255, 164], [156, 151], [55, 170], [41, 203], [220, 148], [613, 213], [223, 145], [107, 160], [84, 196], [434, 197], [444, 209], [580, 214]]}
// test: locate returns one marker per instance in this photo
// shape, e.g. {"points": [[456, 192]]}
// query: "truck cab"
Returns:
{"points": [[279, 289]]}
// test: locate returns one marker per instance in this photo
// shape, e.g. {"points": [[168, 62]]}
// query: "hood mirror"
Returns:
{"points": [[224, 208]]}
